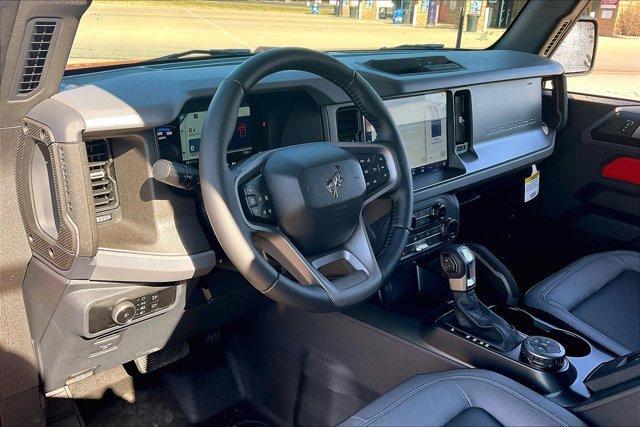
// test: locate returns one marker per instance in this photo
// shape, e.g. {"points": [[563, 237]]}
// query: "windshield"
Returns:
{"points": [[125, 31]]}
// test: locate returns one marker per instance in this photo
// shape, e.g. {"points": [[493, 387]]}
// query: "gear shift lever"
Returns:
{"points": [[459, 265]]}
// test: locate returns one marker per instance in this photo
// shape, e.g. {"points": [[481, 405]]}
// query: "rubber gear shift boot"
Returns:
{"points": [[478, 320]]}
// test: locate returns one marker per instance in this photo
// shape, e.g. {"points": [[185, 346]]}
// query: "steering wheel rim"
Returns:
{"points": [[246, 243]]}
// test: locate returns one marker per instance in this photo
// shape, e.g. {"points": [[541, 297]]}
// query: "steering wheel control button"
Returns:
{"points": [[266, 212], [257, 201], [543, 353], [375, 170]]}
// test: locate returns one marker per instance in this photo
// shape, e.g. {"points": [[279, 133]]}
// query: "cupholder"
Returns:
{"points": [[524, 322]]}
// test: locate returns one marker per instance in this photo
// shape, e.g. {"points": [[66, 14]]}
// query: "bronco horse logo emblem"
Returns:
{"points": [[334, 182]]}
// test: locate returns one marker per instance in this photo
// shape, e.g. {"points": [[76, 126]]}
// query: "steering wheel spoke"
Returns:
{"points": [[337, 272], [379, 167]]}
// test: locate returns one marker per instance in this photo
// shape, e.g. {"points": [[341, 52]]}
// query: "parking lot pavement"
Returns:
{"points": [[130, 31], [126, 31]]}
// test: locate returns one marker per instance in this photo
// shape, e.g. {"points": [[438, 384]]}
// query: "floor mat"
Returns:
{"points": [[241, 414], [198, 390]]}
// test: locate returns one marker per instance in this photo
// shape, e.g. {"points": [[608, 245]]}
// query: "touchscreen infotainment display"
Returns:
{"points": [[422, 122], [191, 131]]}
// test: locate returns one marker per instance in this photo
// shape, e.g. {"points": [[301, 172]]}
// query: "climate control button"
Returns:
{"points": [[438, 211], [449, 228]]}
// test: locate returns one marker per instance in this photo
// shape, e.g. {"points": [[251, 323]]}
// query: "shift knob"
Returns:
{"points": [[459, 265]]}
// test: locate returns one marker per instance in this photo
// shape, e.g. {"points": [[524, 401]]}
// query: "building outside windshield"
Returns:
{"points": [[114, 32]]}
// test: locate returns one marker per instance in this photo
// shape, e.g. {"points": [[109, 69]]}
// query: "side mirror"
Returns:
{"points": [[577, 52]]}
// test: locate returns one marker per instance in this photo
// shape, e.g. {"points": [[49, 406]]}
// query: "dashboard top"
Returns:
{"points": [[141, 97]]}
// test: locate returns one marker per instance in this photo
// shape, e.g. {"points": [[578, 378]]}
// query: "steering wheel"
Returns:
{"points": [[301, 206]]}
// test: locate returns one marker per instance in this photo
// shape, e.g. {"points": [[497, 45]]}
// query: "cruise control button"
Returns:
{"points": [[266, 212], [252, 201]]}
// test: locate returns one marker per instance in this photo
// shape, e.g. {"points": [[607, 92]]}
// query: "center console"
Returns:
{"points": [[555, 362], [550, 360]]}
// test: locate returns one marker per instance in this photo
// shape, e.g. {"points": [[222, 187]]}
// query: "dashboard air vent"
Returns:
{"points": [[36, 56], [101, 173], [557, 37], [349, 123], [462, 120]]}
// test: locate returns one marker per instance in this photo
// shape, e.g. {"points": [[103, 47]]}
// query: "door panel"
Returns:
{"points": [[580, 209], [590, 184]]}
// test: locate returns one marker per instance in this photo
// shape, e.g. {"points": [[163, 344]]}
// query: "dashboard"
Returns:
{"points": [[421, 120], [479, 118], [106, 233]]}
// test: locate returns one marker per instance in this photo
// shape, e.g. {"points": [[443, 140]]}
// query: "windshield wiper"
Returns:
{"points": [[427, 46], [209, 53]]}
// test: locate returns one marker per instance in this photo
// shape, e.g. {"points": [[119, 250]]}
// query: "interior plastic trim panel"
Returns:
{"points": [[127, 266], [624, 169]]}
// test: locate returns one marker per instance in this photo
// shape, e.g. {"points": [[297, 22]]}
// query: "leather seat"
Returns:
{"points": [[466, 397], [598, 296]]}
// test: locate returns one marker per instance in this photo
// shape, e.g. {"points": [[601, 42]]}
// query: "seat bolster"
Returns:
{"points": [[562, 292], [438, 398]]}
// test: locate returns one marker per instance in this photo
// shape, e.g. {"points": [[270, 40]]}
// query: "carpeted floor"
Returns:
{"points": [[197, 390]]}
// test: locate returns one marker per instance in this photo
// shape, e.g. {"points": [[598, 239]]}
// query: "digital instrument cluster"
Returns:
{"points": [[180, 140]]}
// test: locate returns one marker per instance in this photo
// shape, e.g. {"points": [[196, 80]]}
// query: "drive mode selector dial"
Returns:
{"points": [[543, 353], [123, 312]]}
